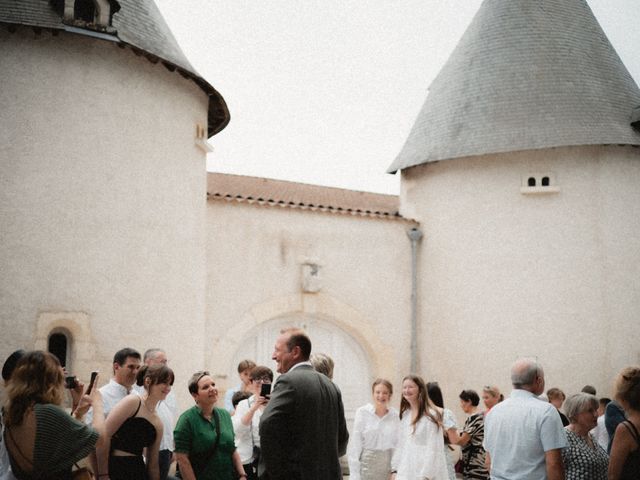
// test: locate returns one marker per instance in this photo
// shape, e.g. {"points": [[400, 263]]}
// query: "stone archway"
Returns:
{"points": [[335, 329]]}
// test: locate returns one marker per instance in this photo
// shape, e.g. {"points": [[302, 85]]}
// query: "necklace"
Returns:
{"points": [[144, 402]]}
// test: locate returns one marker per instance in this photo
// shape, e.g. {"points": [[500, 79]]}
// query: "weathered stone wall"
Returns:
{"points": [[360, 314], [102, 203], [507, 270]]}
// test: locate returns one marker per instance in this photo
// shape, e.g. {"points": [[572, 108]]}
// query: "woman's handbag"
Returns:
{"points": [[256, 460]]}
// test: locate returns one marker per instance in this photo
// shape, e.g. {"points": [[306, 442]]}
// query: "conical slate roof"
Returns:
{"points": [[527, 74], [136, 23]]}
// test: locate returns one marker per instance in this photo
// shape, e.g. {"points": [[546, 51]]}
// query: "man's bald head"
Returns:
{"points": [[527, 374]]}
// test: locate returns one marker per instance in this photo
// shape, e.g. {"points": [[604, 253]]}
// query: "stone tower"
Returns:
{"points": [[102, 145], [523, 168]]}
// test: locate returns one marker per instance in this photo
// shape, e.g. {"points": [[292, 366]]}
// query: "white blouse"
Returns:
{"points": [[371, 432], [246, 435], [420, 454]]}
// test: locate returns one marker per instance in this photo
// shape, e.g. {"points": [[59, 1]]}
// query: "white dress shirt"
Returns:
{"points": [[371, 432], [518, 432], [600, 433], [246, 435], [112, 393]]}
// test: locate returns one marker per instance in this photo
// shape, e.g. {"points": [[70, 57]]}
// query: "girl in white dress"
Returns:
{"points": [[449, 425], [420, 451], [374, 436]]}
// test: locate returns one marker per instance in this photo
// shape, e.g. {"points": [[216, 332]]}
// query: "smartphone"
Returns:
{"points": [[94, 374], [265, 390], [70, 382]]}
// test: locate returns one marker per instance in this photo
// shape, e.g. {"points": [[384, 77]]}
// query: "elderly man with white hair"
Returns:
{"points": [[523, 436]]}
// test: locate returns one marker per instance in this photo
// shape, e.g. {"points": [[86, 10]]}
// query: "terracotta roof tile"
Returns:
{"points": [[284, 194]]}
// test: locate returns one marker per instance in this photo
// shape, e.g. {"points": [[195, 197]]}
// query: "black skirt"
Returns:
{"points": [[127, 468]]}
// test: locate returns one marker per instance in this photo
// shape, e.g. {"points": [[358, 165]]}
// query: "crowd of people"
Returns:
{"points": [[295, 428]]}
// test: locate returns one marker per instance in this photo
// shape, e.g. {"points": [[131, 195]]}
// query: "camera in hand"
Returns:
{"points": [[70, 382]]}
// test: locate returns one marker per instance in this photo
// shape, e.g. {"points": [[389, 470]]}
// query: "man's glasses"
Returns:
{"points": [[261, 380]]}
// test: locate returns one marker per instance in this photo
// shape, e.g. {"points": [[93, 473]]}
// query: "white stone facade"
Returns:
{"points": [[360, 315], [102, 203], [506, 273]]}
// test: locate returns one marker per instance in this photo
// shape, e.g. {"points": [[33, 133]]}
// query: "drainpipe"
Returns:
{"points": [[414, 235]]}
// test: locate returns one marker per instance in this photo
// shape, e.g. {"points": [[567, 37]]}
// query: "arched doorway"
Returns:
{"points": [[352, 366]]}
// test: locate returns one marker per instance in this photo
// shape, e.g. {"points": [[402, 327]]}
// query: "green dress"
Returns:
{"points": [[195, 436]]}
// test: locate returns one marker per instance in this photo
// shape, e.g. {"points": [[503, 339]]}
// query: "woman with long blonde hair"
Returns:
{"points": [[420, 451]]}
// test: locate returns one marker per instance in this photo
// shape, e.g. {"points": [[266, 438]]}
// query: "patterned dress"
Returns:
{"points": [[582, 461], [473, 454]]}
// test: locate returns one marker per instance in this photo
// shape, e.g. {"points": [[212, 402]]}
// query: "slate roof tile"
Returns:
{"points": [[527, 74]]}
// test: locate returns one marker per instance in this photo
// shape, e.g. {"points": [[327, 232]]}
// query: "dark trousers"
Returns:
{"points": [[164, 459]]}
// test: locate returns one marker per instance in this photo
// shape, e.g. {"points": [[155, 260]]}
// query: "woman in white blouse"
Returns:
{"points": [[247, 419], [449, 425], [419, 454], [375, 432]]}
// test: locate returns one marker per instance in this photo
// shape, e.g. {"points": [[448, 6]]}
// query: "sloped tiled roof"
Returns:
{"points": [[527, 74], [138, 24], [280, 193]]}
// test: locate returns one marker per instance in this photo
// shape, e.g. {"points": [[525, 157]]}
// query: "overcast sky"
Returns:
{"points": [[326, 91]]}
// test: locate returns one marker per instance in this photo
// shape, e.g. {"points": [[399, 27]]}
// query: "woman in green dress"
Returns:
{"points": [[205, 445]]}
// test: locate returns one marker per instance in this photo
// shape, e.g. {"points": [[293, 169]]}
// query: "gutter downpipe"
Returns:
{"points": [[415, 235]]}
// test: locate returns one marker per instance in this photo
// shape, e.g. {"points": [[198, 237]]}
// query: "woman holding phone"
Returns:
{"points": [[247, 419], [42, 440]]}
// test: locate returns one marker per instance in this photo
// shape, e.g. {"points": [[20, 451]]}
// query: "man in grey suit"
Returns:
{"points": [[303, 431]]}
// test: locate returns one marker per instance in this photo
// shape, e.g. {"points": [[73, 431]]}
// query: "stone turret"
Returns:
{"points": [[103, 140], [134, 24], [523, 169]]}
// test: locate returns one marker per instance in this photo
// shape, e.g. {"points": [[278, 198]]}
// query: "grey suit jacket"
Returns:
{"points": [[303, 431]]}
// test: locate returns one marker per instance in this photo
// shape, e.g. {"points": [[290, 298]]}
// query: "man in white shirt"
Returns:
{"points": [[600, 430], [523, 436], [167, 410], [126, 363]]}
